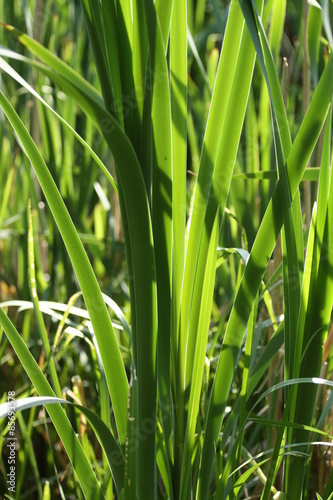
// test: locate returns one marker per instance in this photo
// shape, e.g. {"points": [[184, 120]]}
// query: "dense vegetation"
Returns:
{"points": [[166, 249]]}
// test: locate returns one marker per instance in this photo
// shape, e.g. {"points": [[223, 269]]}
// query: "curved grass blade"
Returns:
{"points": [[55, 62], [113, 365]]}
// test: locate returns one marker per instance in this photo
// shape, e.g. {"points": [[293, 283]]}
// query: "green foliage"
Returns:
{"points": [[166, 248]]}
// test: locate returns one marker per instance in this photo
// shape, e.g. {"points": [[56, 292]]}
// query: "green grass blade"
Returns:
{"points": [[137, 229], [316, 310], [55, 62], [125, 32], [112, 51], [310, 174], [162, 231], [92, 12], [178, 77], [114, 368], [131, 445], [326, 21], [164, 9], [141, 76], [276, 26]]}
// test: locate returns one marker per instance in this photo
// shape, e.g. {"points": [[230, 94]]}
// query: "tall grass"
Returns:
{"points": [[178, 362]]}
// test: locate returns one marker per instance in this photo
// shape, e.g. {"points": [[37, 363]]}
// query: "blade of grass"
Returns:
{"points": [[314, 27], [92, 13], [113, 365], [137, 229], [141, 75], [162, 230], [112, 50], [178, 77], [125, 45]]}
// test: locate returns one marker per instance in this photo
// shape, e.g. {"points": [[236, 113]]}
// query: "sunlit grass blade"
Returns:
{"points": [[314, 27], [55, 62], [163, 11], [292, 231], [114, 368], [178, 76], [242, 479]]}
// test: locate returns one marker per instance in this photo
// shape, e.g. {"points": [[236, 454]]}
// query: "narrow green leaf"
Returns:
{"points": [[114, 368]]}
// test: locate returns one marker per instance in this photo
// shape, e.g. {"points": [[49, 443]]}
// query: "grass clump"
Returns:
{"points": [[173, 275]]}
